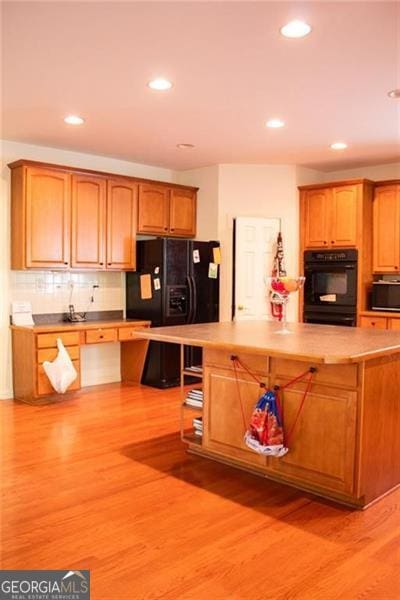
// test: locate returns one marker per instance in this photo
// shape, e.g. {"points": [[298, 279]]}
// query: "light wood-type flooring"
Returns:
{"points": [[102, 481]]}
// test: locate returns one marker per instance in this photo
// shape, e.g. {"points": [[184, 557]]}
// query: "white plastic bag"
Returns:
{"points": [[61, 371]]}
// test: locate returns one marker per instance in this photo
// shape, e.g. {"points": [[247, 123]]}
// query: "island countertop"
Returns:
{"points": [[317, 343]]}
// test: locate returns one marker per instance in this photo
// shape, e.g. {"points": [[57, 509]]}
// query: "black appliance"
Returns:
{"points": [[330, 289], [386, 295], [186, 294]]}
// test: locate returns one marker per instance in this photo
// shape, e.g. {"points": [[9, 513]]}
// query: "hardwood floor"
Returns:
{"points": [[102, 481]]}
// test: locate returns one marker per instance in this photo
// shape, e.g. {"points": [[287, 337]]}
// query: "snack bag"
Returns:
{"points": [[265, 433]]}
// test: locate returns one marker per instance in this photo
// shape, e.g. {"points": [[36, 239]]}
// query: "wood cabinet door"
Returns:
{"points": [[121, 224], [322, 448], [343, 216], [182, 213], [153, 209], [47, 225], [88, 222], [316, 207], [386, 236], [394, 324], [224, 428]]}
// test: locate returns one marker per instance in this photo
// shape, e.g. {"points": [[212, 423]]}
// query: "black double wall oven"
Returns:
{"points": [[330, 289]]}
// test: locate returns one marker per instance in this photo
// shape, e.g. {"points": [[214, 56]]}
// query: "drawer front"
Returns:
{"points": [[222, 360], [374, 322], [394, 324], [99, 336], [126, 333], [342, 375], [51, 353], [44, 387], [49, 340]]}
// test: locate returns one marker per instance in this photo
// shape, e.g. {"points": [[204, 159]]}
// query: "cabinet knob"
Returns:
{"points": [[332, 241], [109, 264], [325, 242], [65, 263], [101, 337], [101, 263], [396, 268], [172, 228], [165, 228]]}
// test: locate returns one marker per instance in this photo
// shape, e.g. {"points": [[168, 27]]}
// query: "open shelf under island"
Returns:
{"points": [[346, 445]]}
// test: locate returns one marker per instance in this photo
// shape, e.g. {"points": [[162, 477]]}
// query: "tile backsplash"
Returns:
{"points": [[52, 292]]}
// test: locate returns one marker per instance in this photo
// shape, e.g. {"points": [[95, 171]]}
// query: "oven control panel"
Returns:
{"points": [[329, 256]]}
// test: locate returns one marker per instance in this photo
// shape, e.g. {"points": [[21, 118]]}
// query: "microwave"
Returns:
{"points": [[386, 295]]}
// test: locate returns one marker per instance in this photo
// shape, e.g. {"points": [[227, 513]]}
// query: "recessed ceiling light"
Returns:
{"points": [[394, 93], [339, 146], [184, 146], [160, 84], [295, 29], [275, 123], [74, 120]]}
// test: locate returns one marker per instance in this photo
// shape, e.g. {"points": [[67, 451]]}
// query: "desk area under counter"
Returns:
{"points": [[32, 345]]}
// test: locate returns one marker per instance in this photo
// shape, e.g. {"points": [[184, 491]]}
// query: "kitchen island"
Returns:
{"points": [[346, 443]]}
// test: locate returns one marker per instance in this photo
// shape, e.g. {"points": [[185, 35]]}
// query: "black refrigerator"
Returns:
{"points": [[184, 289]]}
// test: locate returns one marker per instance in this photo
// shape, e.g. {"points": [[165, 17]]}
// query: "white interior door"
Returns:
{"points": [[255, 241]]}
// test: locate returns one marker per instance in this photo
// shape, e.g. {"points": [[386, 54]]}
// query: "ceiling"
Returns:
{"points": [[231, 70]]}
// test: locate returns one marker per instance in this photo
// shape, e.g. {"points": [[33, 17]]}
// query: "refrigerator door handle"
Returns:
{"points": [[189, 316], [194, 289]]}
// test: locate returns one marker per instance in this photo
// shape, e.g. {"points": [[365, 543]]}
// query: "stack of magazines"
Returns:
{"points": [[195, 369], [198, 426], [195, 398]]}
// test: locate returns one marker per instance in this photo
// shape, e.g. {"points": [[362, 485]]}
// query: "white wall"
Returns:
{"points": [[268, 191], [374, 172], [47, 291]]}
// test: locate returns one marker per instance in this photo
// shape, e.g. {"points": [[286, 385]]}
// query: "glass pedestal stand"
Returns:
{"points": [[281, 288]]}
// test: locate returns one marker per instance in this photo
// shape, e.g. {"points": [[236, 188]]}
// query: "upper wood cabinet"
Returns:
{"points": [[121, 224], [88, 222], [67, 218], [386, 236], [316, 207], [182, 212], [329, 216], [343, 215], [153, 211], [167, 211], [40, 219]]}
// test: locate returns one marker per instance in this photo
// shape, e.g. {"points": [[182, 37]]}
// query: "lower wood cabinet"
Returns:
{"points": [[377, 322], [34, 345], [44, 387], [224, 428], [374, 322], [99, 336], [322, 448]]}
